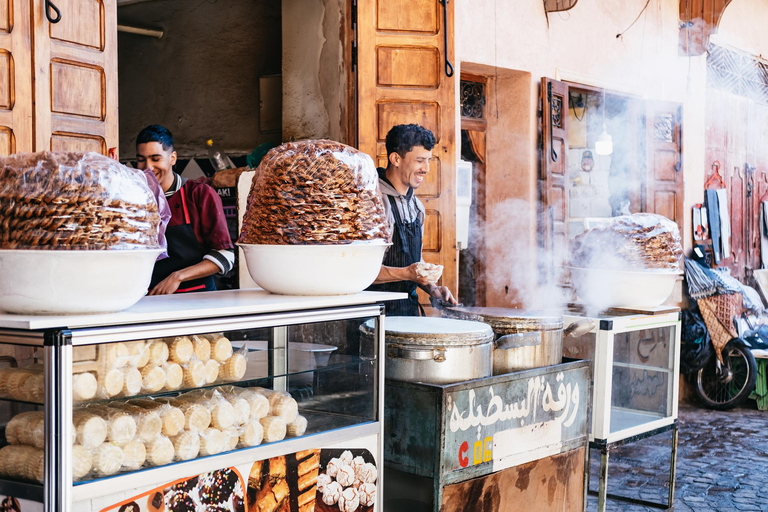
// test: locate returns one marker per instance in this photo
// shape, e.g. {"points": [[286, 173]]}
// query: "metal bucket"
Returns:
{"points": [[524, 340], [435, 350]]}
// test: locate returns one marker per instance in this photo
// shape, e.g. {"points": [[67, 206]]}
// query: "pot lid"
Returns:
{"points": [[509, 320], [424, 330]]}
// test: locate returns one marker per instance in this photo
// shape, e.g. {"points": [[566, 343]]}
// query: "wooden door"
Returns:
{"points": [[76, 76], [402, 79], [664, 170], [15, 77], [553, 180]]}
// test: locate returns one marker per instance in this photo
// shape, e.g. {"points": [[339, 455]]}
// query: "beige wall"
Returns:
{"points": [[580, 45]]}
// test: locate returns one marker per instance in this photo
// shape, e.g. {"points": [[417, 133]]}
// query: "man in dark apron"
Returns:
{"points": [[199, 245], [409, 150]]}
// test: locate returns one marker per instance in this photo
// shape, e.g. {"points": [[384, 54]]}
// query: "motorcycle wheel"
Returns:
{"points": [[726, 388]]}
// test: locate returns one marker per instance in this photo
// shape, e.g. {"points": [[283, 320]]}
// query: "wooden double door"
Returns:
{"points": [[58, 81]]}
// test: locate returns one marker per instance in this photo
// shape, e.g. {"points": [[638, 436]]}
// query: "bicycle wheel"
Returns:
{"points": [[725, 387]]}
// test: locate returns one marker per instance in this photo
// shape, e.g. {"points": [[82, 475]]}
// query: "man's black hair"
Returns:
{"points": [[156, 133], [402, 138]]}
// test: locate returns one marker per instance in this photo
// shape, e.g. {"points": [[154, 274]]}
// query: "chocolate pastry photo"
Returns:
{"points": [[285, 483]]}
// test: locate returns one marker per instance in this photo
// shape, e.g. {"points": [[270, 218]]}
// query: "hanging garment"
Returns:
{"points": [[714, 222], [764, 234], [725, 222]]}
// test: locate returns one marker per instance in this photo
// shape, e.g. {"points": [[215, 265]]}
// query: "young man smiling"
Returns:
{"points": [[409, 150], [198, 239]]}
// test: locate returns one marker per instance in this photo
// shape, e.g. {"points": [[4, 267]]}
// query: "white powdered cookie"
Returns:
{"points": [[332, 468], [357, 463], [158, 352], [367, 473], [349, 500], [84, 386], [180, 350], [331, 493], [81, 461], [91, 429], [297, 427], [274, 428], [160, 451], [132, 381], [153, 378], [252, 434], [283, 405], [174, 375], [212, 441], [346, 457], [346, 475], [194, 374], [111, 383], [202, 348], [235, 367], [367, 493], [322, 481], [134, 455], [107, 459], [186, 445], [212, 369], [221, 349]]}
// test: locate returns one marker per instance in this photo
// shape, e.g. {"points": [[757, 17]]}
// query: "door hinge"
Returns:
{"points": [[354, 56], [353, 14]]}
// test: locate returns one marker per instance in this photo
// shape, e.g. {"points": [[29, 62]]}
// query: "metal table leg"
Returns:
{"points": [[602, 493]]}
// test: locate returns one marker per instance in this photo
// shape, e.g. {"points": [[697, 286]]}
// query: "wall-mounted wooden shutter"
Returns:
{"points": [[402, 79], [76, 76], [664, 169], [15, 77], [553, 182]]}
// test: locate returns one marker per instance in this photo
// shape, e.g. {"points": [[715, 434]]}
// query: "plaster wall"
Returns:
{"points": [[314, 71], [581, 45], [201, 79]]}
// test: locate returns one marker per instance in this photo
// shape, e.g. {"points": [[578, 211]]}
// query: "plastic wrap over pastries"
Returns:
{"points": [[74, 201], [641, 241], [314, 192]]}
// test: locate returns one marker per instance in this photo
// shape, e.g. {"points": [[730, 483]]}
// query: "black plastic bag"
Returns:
{"points": [[695, 344]]}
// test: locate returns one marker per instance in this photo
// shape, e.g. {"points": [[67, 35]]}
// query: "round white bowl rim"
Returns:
{"points": [[81, 251], [343, 244]]}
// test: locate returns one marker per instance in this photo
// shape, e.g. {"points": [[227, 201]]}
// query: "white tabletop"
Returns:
{"points": [[188, 306]]}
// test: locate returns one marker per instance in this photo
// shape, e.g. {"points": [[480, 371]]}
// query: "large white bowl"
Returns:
{"points": [[315, 269], [623, 288], [45, 282]]}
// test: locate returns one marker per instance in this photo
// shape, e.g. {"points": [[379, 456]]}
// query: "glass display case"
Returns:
{"points": [[635, 359], [102, 409]]}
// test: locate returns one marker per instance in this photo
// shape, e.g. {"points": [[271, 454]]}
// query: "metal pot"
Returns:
{"points": [[523, 339], [435, 350]]}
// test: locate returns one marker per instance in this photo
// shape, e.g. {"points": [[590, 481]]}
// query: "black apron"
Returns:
{"points": [[405, 250], [183, 251]]}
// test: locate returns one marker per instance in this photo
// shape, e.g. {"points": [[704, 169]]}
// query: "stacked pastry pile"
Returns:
{"points": [[127, 435], [272, 486], [314, 192], [74, 201], [640, 241], [429, 271], [348, 482]]}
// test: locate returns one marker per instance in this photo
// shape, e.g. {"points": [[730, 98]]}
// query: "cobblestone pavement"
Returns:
{"points": [[722, 463]]}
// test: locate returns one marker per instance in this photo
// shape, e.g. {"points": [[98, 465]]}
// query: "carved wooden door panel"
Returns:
{"points": [[553, 180], [15, 77], [402, 78], [664, 171], [76, 76]]}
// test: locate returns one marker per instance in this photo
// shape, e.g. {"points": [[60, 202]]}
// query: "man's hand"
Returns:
{"points": [[441, 292], [393, 274], [167, 286]]}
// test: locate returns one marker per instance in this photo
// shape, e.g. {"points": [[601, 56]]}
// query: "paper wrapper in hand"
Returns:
{"points": [[641, 241], [75, 201], [314, 192]]}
